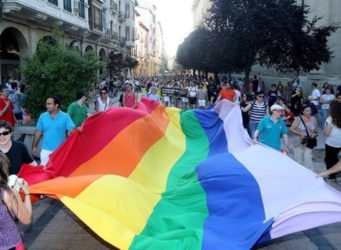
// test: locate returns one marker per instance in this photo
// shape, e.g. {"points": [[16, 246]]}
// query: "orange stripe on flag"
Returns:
{"points": [[123, 153]]}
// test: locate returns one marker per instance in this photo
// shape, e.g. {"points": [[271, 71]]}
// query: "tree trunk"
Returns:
{"points": [[215, 76], [247, 76]]}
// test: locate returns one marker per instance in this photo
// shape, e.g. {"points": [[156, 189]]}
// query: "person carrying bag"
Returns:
{"points": [[311, 141]]}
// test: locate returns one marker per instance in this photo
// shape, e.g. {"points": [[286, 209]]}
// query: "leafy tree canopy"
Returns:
{"points": [[240, 33], [57, 70]]}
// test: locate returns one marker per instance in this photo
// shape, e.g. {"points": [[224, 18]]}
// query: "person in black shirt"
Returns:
{"points": [[16, 152]]}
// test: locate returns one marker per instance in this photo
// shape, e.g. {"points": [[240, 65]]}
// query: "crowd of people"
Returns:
{"points": [[281, 118]]}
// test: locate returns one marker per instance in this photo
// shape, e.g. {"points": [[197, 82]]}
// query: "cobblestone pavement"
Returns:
{"points": [[55, 227]]}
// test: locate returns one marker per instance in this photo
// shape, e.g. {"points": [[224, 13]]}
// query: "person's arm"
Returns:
{"points": [[135, 102], [327, 129], [22, 209], [293, 127], [96, 105], [336, 168], [36, 139], [246, 108], [3, 111], [255, 136], [286, 143], [123, 100], [70, 125], [218, 99], [110, 103]]}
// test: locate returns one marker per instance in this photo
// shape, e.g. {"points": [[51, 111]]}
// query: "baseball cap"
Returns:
{"points": [[276, 106]]}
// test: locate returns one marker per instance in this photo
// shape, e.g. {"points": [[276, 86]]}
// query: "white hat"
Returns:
{"points": [[276, 106]]}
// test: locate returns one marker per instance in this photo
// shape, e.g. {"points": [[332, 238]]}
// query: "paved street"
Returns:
{"points": [[55, 227]]}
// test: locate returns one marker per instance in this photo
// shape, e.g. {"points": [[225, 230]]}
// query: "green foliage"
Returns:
{"points": [[57, 70]]}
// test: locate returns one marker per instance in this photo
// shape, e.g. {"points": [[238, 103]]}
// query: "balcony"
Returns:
{"points": [[45, 13], [114, 36], [113, 7]]}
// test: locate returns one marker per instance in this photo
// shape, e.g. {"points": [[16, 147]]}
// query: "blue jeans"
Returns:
{"points": [[324, 113], [252, 128]]}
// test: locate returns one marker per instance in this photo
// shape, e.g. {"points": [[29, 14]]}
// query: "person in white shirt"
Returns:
{"points": [[332, 131], [325, 100], [315, 95]]}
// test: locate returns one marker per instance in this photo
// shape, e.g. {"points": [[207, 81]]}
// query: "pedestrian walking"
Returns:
{"points": [[16, 151], [332, 131], [103, 101], [271, 128], [129, 97], [258, 109], [304, 129], [6, 108], [54, 124], [78, 110], [325, 100]]}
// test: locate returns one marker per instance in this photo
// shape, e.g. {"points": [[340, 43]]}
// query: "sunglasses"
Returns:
{"points": [[5, 133]]}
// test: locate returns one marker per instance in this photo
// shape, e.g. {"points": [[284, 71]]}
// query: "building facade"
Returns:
{"points": [[149, 45], [330, 11], [199, 11], [105, 26]]}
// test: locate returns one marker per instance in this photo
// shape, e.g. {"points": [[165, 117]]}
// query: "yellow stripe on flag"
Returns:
{"points": [[128, 202]]}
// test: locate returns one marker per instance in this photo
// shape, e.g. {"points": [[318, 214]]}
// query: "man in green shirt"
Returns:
{"points": [[78, 110]]}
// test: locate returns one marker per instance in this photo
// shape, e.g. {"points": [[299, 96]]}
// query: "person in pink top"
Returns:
{"points": [[129, 97]]}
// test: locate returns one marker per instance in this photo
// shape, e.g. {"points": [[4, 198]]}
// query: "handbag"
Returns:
{"points": [[309, 141]]}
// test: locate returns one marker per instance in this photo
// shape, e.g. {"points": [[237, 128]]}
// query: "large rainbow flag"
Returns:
{"points": [[163, 178]]}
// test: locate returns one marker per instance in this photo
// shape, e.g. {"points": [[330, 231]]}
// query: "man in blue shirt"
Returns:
{"points": [[271, 128], [55, 125]]}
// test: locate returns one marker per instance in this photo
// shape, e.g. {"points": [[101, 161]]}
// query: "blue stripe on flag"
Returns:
{"points": [[233, 195]]}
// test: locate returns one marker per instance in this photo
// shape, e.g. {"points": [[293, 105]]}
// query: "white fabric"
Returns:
{"points": [[327, 98], [202, 103], [292, 196], [334, 139], [315, 94], [192, 91], [103, 106], [44, 156]]}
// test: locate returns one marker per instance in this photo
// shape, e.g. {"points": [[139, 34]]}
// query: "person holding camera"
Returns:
{"points": [[12, 208], [332, 131], [304, 128]]}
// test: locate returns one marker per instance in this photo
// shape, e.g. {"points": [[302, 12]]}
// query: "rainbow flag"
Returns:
{"points": [[163, 178]]}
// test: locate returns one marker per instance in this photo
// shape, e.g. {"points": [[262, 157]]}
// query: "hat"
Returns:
{"points": [[276, 106]]}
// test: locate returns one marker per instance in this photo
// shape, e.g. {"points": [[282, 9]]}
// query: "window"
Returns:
{"points": [[55, 2], [132, 34], [127, 10], [67, 5], [128, 33], [97, 18], [81, 8]]}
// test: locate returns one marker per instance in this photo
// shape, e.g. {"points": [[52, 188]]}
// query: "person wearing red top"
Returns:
{"points": [[6, 108], [227, 93]]}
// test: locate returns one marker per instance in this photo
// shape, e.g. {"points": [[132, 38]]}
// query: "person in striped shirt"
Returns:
{"points": [[258, 109]]}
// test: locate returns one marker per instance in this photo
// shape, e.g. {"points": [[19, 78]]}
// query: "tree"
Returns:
{"points": [[272, 33], [57, 70]]}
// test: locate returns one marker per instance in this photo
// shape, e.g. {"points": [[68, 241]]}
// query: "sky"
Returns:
{"points": [[176, 21]]}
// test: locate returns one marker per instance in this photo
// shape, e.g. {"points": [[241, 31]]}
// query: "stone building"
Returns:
{"points": [[149, 45], [105, 26]]}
